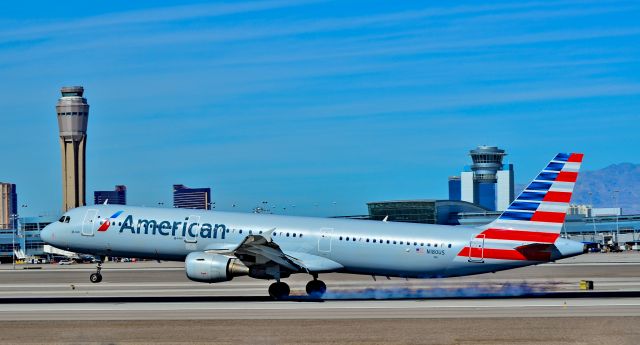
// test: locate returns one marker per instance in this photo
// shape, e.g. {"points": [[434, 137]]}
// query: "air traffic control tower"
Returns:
{"points": [[487, 182], [73, 114]]}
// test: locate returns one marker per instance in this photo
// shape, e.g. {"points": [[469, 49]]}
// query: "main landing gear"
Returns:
{"points": [[279, 290], [316, 288], [96, 277]]}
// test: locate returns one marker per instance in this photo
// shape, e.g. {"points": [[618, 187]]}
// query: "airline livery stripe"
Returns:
{"points": [[523, 206], [567, 176], [541, 186], [518, 235], [550, 217], [562, 187], [526, 225], [554, 166], [557, 197], [510, 215], [547, 176], [563, 157], [576, 157], [575, 167], [530, 196], [553, 207], [490, 253]]}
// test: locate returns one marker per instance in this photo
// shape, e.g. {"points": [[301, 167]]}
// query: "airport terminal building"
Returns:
{"points": [[25, 242]]}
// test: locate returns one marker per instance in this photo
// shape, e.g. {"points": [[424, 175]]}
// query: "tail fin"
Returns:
{"points": [[538, 213]]}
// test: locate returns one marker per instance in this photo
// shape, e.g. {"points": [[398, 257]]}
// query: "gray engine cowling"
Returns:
{"points": [[213, 268]]}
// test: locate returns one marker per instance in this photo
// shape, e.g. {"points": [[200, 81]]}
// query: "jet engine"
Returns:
{"points": [[213, 268]]}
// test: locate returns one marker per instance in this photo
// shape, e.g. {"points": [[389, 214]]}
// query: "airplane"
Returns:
{"points": [[218, 246]]}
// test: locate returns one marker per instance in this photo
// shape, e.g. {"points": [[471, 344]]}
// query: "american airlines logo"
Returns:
{"points": [[107, 222], [173, 228]]}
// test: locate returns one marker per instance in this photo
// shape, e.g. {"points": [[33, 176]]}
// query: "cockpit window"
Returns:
{"points": [[61, 220], [67, 219]]}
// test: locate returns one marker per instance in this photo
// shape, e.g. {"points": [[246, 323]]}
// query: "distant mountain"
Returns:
{"points": [[624, 177]]}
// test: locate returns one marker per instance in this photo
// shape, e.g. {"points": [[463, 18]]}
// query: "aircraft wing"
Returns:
{"points": [[261, 249]]}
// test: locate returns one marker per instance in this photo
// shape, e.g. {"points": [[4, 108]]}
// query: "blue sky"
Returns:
{"points": [[324, 105]]}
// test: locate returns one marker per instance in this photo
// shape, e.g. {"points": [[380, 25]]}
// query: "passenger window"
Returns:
{"points": [[394, 242], [340, 238], [239, 231], [387, 241], [294, 234], [435, 245], [354, 239], [421, 244], [415, 243], [401, 242], [347, 238], [287, 234], [367, 240], [300, 235], [374, 240], [449, 245]]}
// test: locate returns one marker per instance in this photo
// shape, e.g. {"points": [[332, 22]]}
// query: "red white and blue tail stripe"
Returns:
{"points": [[536, 216]]}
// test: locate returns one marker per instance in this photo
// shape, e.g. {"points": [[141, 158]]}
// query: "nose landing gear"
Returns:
{"points": [[96, 277]]}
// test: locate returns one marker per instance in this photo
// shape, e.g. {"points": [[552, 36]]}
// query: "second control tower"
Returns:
{"points": [[73, 114]]}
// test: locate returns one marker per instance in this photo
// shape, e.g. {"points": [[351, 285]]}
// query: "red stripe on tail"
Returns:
{"points": [[548, 217], [567, 176], [576, 158], [557, 197], [520, 235]]}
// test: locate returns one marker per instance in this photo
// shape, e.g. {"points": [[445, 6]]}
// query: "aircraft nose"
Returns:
{"points": [[47, 234]]}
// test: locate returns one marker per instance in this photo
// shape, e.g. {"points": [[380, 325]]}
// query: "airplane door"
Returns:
{"points": [[324, 242], [476, 249], [89, 222], [191, 237]]}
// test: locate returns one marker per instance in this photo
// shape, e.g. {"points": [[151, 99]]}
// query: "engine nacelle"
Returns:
{"points": [[213, 268]]}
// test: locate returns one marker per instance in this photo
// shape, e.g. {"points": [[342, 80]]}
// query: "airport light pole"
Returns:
{"points": [[593, 220], [616, 193], [13, 218]]}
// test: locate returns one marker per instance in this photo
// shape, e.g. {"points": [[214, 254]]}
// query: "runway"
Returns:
{"points": [[525, 306], [247, 309]]}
